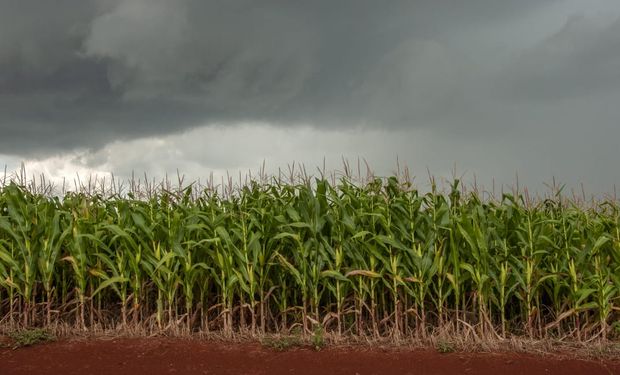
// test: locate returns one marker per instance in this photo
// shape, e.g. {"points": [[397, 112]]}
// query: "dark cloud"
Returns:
{"points": [[581, 59], [79, 74]]}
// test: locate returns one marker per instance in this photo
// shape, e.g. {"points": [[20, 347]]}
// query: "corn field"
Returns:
{"points": [[378, 259]]}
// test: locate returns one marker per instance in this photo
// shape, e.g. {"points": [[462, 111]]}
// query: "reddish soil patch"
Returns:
{"points": [[169, 356]]}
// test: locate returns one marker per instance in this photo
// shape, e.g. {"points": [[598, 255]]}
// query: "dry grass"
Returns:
{"points": [[444, 340]]}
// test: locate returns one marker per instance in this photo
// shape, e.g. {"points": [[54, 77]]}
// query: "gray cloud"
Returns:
{"points": [[496, 86], [80, 74], [582, 58]]}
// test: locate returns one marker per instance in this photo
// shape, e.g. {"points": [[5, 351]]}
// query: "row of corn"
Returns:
{"points": [[378, 259]]}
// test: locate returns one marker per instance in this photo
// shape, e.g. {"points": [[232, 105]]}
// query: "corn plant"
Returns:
{"points": [[379, 258]]}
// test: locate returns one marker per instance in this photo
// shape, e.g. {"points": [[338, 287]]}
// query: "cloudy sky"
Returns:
{"points": [[494, 88]]}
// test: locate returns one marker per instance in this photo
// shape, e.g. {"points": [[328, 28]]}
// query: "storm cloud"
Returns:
{"points": [[80, 73], [543, 75]]}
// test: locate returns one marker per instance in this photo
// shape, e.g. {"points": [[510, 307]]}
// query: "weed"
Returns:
{"points": [[445, 347], [28, 337], [282, 343], [318, 338]]}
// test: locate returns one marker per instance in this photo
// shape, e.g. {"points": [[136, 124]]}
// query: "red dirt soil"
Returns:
{"points": [[174, 356]]}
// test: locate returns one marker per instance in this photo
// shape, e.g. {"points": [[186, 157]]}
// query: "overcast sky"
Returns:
{"points": [[495, 87]]}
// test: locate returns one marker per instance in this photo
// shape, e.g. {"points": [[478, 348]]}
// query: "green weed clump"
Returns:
{"points": [[445, 347], [283, 343], [29, 337]]}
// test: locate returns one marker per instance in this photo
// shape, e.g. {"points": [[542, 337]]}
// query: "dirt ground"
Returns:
{"points": [[154, 356]]}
